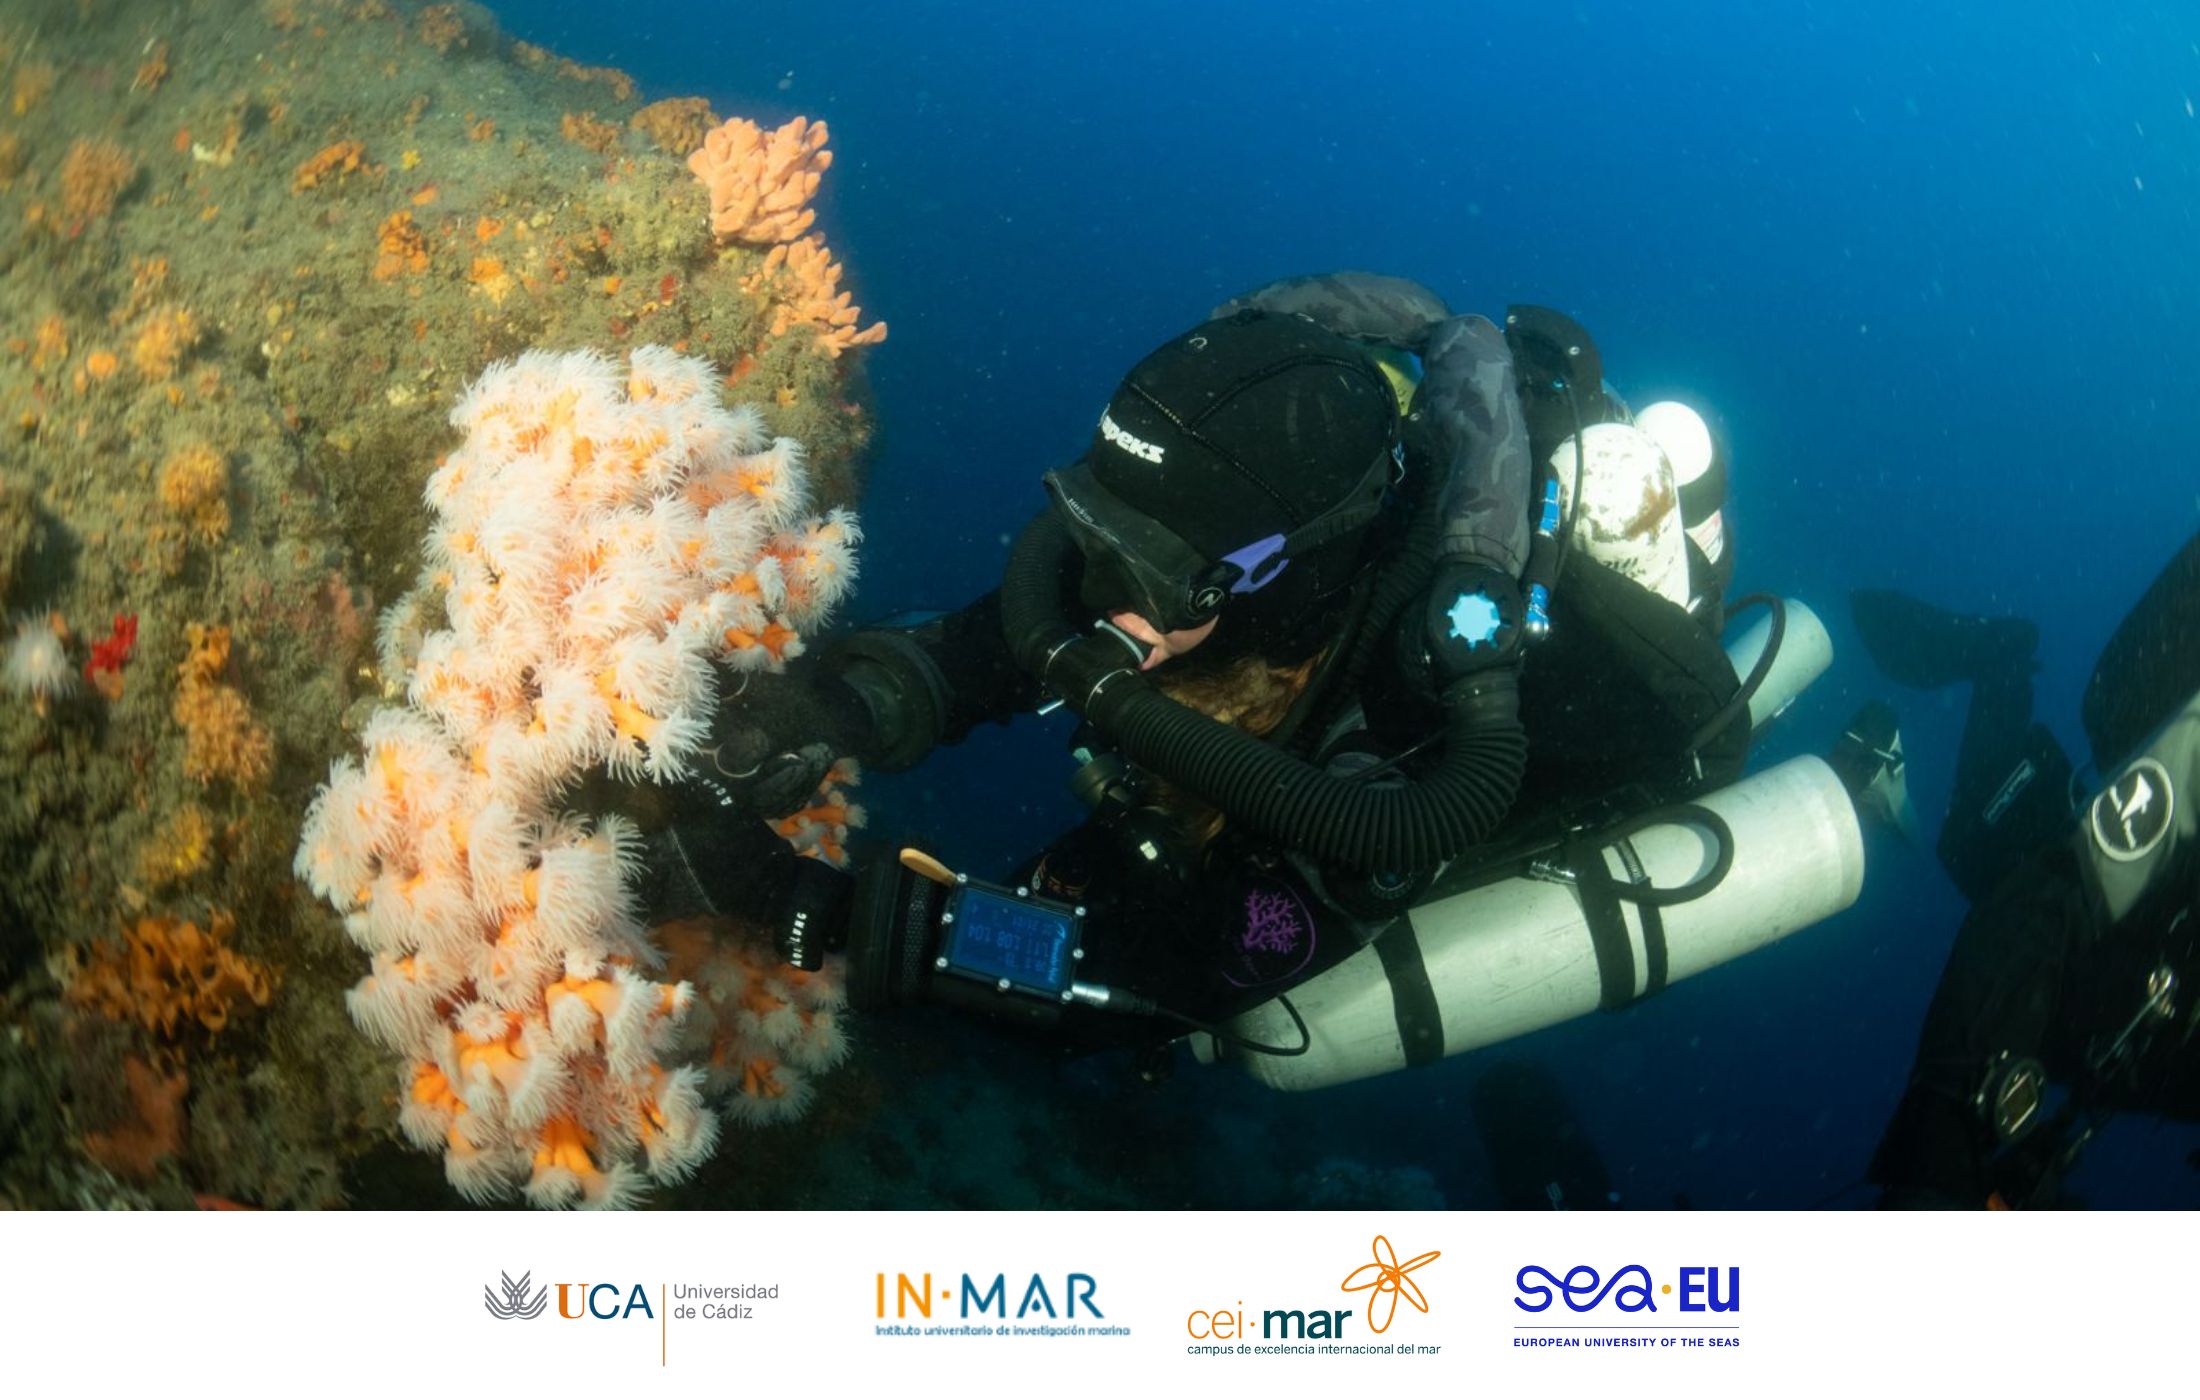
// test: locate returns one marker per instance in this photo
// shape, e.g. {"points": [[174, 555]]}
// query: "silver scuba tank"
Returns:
{"points": [[1518, 955]]}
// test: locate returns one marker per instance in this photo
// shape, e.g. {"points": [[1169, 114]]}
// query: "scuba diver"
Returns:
{"points": [[2070, 992], [1315, 594]]}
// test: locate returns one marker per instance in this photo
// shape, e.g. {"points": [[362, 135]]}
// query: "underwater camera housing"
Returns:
{"points": [[918, 933]]}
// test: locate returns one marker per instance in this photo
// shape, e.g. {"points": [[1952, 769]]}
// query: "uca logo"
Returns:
{"points": [[515, 1302]]}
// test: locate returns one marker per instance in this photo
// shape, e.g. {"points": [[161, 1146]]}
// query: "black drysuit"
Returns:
{"points": [[2082, 952]]}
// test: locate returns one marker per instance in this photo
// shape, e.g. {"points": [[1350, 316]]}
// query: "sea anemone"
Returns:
{"points": [[580, 586], [822, 1046], [769, 1092], [36, 664]]}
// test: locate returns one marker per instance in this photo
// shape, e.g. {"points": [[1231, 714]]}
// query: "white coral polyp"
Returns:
{"points": [[603, 539]]}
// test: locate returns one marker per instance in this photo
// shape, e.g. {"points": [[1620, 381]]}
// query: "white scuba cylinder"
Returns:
{"points": [[1517, 955], [1806, 650], [1686, 440], [1630, 517]]}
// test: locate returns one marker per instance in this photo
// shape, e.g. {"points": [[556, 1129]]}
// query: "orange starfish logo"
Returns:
{"points": [[1387, 1277]]}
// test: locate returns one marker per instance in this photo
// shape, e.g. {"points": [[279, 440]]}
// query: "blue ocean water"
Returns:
{"points": [[1929, 265]]}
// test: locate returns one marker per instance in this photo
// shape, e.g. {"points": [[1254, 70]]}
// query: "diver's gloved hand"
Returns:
{"points": [[775, 735]]}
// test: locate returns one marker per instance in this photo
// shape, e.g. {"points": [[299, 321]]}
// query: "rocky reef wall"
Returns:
{"points": [[250, 251]]}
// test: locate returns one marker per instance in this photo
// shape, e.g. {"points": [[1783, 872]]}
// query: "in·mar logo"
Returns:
{"points": [[515, 1302], [1388, 1278]]}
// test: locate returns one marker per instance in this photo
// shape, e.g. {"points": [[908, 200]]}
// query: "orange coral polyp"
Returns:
{"points": [[431, 1089], [831, 814], [499, 1057], [630, 719], [385, 758], [600, 994], [773, 639], [565, 1144], [759, 1080]]}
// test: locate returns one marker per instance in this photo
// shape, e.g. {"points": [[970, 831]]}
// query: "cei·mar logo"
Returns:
{"points": [[1389, 1281]]}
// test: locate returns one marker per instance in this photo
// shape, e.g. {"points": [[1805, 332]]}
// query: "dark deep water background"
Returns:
{"points": [[1929, 265]]}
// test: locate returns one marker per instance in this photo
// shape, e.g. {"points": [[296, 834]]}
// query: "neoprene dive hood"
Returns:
{"points": [[1236, 473], [1250, 439]]}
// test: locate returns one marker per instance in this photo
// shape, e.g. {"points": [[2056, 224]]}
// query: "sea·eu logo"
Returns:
{"points": [[1630, 1289]]}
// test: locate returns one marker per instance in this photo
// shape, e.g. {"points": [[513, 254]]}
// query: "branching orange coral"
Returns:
{"points": [[221, 739], [93, 176], [162, 341], [168, 975], [584, 131], [147, 277], [194, 486], [400, 247], [330, 163], [760, 184], [442, 29], [764, 1029], [621, 85], [677, 125], [817, 300]]}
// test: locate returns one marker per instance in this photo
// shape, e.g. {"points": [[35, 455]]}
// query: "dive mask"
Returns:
{"points": [[1136, 564]]}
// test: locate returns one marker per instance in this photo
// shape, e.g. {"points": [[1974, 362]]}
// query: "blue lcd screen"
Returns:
{"points": [[997, 937]]}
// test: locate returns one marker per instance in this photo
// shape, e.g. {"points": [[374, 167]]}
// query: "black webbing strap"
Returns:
{"points": [[1653, 923], [1599, 895], [1412, 999]]}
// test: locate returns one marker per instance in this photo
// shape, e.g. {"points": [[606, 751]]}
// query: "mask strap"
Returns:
{"points": [[1254, 572]]}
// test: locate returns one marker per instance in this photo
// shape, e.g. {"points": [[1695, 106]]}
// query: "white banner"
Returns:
{"points": [[1325, 1303]]}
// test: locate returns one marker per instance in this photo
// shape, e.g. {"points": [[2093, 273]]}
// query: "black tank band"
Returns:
{"points": [[1655, 958], [1599, 895], [1412, 998]]}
